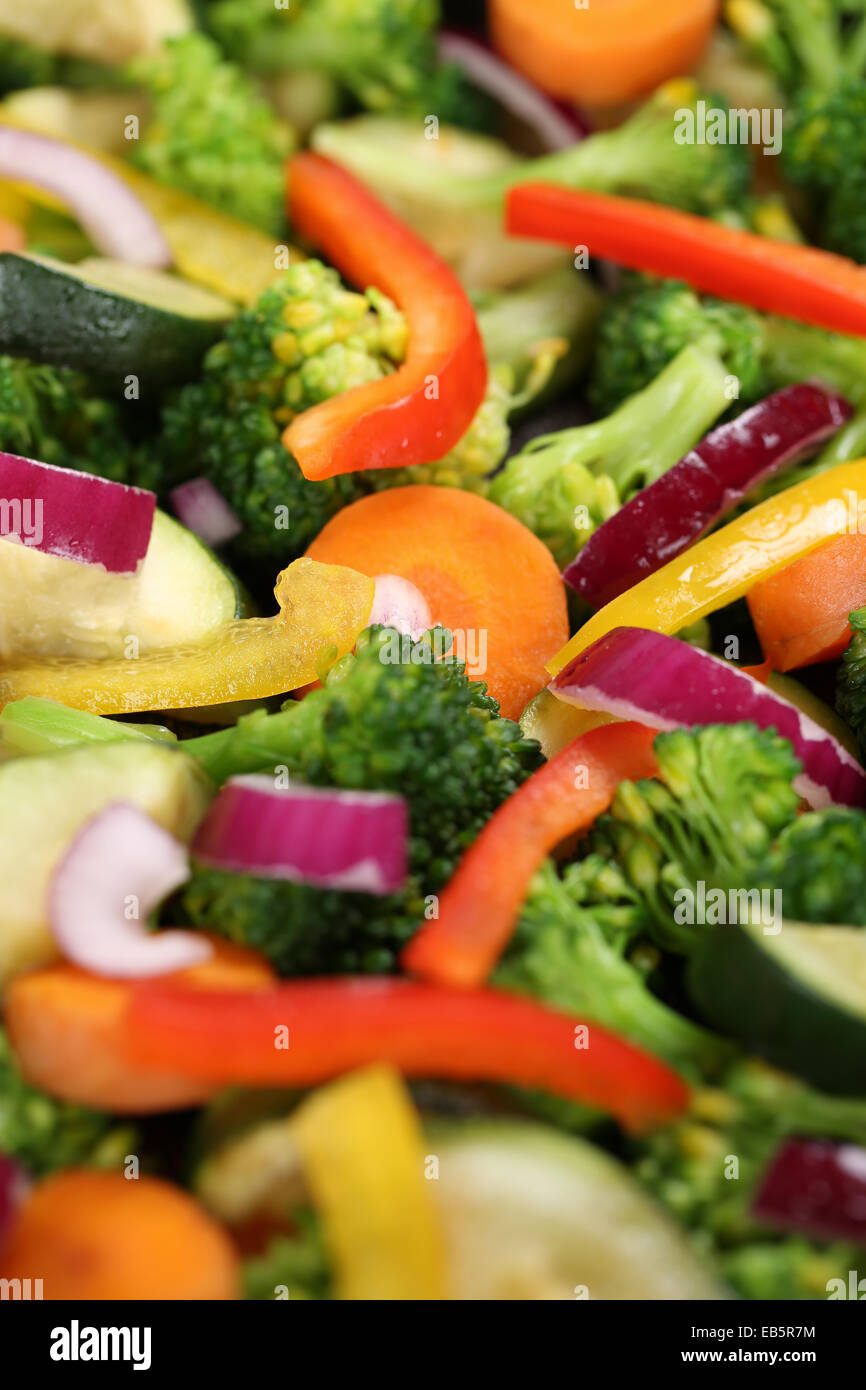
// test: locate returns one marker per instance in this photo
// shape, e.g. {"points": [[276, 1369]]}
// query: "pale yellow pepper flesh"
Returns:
{"points": [[363, 1155], [323, 608], [725, 565]]}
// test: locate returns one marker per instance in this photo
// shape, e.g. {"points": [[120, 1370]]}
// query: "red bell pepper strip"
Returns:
{"points": [[479, 907], [308, 1031], [796, 281], [421, 411]]}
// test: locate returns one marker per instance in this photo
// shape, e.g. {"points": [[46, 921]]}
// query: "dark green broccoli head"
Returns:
{"points": [[55, 415], [388, 718], [825, 152], [851, 680], [43, 1134], [306, 339], [819, 863], [647, 324], [379, 50], [811, 43], [723, 795], [211, 133]]}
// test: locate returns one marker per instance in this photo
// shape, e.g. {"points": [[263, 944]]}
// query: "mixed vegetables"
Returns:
{"points": [[421, 469]]}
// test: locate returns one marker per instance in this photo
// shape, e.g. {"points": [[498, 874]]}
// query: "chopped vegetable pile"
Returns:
{"points": [[433, 650]]}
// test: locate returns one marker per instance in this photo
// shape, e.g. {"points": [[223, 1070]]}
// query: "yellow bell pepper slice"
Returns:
{"points": [[724, 565], [209, 247], [322, 610], [362, 1149]]}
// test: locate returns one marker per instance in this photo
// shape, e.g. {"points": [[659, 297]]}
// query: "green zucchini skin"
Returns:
{"points": [[58, 318], [744, 991]]}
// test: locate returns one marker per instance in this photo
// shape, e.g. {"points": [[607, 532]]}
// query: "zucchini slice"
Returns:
{"points": [[797, 999], [107, 318], [533, 1214], [55, 607]]}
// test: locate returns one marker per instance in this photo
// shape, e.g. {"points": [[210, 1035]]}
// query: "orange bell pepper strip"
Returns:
{"points": [[798, 282], [727, 564], [421, 411], [479, 907], [308, 1031], [801, 614]]}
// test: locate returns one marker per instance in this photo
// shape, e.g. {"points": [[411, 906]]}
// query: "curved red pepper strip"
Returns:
{"points": [[799, 282], [307, 1031], [423, 409], [478, 909]]}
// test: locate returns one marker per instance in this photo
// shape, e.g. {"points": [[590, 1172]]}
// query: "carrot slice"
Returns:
{"points": [[91, 1235], [66, 1028], [481, 903], [798, 282], [483, 573], [801, 613], [604, 52]]}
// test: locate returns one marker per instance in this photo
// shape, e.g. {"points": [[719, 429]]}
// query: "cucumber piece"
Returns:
{"points": [[180, 593], [44, 801], [556, 723], [107, 318], [531, 1213], [797, 999]]}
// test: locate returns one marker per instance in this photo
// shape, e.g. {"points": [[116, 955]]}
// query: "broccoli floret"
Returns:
{"points": [[803, 42], [688, 1167], [644, 326], [306, 339], [43, 1134], [647, 323], [851, 680], [570, 951], [564, 485], [380, 50], [299, 1264], [54, 414], [817, 865], [825, 152], [211, 133], [389, 718], [723, 795]]}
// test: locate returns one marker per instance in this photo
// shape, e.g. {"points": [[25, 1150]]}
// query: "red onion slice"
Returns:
{"points": [[664, 683], [666, 517], [816, 1187], [398, 604], [354, 841], [119, 867], [74, 515], [202, 509], [115, 218], [553, 122]]}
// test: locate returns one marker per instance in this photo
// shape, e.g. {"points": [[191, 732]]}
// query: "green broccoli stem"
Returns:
{"points": [[652, 430], [32, 726], [799, 352], [257, 741]]}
